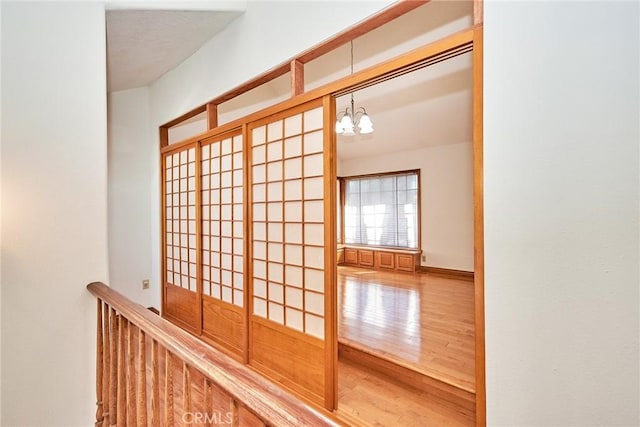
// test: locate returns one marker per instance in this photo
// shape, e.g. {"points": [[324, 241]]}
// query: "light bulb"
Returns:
{"points": [[347, 125], [365, 125]]}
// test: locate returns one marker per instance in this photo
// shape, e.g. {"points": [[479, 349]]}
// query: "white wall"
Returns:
{"points": [[562, 213], [446, 188], [54, 214], [131, 139]]}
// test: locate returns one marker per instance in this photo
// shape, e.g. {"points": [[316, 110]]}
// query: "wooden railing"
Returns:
{"points": [[138, 356]]}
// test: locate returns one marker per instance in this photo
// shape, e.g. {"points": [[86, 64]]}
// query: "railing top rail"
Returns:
{"points": [[274, 405]]}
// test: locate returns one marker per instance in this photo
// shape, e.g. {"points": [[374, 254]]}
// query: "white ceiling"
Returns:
{"points": [[142, 45], [425, 108]]}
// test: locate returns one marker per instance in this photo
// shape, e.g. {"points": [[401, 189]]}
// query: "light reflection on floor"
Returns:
{"points": [[379, 307], [420, 321]]}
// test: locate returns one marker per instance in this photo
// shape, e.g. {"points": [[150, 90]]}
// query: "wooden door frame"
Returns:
{"points": [[470, 39]]}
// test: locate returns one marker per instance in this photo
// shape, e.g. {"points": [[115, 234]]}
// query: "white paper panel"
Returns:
{"points": [[238, 230], [238, 298], [275, 232], [274, 191], [274, 130], [215, 291], [274, 171], [294, 319], [293, 211], [314, 279], [313, 142], [313, 119], [276, 292], [260, 269], [274, 212], [276, 272], [293, 125], [258, 135], [237, 161], [293, 146], [314, 302], [314, 325], [259, 154], [275, 252], [293, 276], [276, 313], [226, 212], [259, 231], [313, 188], [260, 250], [238, 246], [314, 257], [260, 288], [293, 190], [259, 212], [237, 143], [293, 233], [274, 151], [293, 168], [259, 307], [314, 234], [258, 173], [259, 192], [237, 212], [227, 295], [313, 165], [237, 177], [314, 211], [293, 297], [293, 254], [225, 163], [226, 146]]}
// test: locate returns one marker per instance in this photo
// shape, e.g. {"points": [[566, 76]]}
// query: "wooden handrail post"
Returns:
{"points": [[99, 368], [168, 389], [121, 378], [155, 386], [141, 397], [113, 372], [131, 378]]}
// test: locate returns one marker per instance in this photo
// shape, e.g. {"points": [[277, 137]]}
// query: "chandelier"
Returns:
{"points": [[352, 119]]}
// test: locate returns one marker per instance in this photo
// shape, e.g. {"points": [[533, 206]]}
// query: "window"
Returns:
{"points": [[382, 210]]}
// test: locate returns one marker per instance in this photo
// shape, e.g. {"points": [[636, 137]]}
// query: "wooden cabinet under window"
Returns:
{"points": [[385, 259]]}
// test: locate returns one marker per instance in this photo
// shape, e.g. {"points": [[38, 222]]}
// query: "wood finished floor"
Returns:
{"points": [[368, 398], [421, 321]]}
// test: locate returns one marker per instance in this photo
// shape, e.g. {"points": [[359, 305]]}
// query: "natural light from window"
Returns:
{"points": [[382, 210]]}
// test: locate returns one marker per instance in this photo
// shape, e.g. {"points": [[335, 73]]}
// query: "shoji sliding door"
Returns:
{"points": [[290, 336], [249, 263], [180, 248], [223, 295]]}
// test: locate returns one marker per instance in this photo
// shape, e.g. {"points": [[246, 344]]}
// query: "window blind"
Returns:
{"points": [[382, 210]]}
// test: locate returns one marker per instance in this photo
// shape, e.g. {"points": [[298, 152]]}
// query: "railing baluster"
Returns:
{"points": [[99, 368], [113, 369], [131, 377], [155, 388], [168, 389], [186, 388], [141, 397], [235, 416], [122, 402], [106, 352], [206, 393]]}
